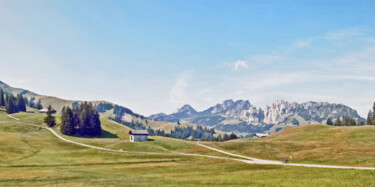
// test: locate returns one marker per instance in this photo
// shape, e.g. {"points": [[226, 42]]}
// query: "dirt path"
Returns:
{"points": [[273, 162], [245, 159]]}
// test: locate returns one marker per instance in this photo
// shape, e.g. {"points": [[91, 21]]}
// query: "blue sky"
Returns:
{"points": [[154, 56]]}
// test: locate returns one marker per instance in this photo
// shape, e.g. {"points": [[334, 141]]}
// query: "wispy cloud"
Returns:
{"points": [[345, 33], [303, 43], [178, 94], [234, 66], [240, 64]]}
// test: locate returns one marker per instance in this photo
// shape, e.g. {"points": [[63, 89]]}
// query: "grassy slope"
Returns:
{"points": [[115, 136], [321, 144], [33, 156]]}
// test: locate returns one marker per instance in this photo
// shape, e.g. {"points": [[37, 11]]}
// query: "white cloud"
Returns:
{"points": [[239, 64]]}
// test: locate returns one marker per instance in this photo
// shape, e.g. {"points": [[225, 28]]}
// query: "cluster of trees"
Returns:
{"points": [[201, 133], [11, 103], [119, 111], [102, 107], [186, 132], [371, 116], [14, 104], [82, 119], [344, 121], [31, 103]]}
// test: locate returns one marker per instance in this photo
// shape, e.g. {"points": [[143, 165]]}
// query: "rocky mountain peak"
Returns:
{"points": [[230, 107], [186, 109], [279, 111]]}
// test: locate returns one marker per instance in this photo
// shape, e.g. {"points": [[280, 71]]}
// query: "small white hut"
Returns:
{"points": [[260, 135], [138, 135]]}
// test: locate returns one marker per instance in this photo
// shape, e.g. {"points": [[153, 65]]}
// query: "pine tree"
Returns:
{"points": [[352, 122], [11, 104], [369, 118], [39, 105], [225, 137], [21, 104], [329, 121], [67, 122], [2, 100], [49, 119], [361, 123], [232, 136], [338, 122]]}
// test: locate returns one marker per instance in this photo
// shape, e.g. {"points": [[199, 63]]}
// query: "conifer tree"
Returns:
{"points": [[369, 118], [352, 122], [49, 119], [21, 104], [89, 120], [329, 121], [67, 122], [338, 122], [39, 105], [2, 100], [225, 137], [232, 136], [10, 104]]}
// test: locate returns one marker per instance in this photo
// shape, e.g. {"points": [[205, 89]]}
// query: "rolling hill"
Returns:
{"points": [[354, 146]]}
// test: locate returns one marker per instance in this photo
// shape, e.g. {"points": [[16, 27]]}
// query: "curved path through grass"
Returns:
{"points": [[245, 159]]}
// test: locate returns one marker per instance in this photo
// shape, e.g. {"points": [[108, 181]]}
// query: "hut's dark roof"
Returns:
{"points": [[138, 132]]}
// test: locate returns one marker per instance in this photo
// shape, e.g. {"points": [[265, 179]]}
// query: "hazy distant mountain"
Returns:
{"points": [[243, 118], [55, 102]]}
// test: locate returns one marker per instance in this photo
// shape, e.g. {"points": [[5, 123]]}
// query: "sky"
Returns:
{"points": [[155, 56]]}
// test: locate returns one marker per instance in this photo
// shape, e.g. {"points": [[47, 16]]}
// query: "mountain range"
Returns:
{"points": [[240, 117], [243, 118]]}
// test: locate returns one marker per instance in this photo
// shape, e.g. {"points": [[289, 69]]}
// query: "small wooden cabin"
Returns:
{"points": [[260, 135], [138, 135]]}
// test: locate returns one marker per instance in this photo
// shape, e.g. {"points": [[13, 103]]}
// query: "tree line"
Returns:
{"points": [[83, 120], [200, 133], [11, 103], [18, 103], [31, 103], [344, 121]]}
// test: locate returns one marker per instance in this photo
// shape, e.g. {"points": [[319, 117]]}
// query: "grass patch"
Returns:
{"points": [[318, 144]]}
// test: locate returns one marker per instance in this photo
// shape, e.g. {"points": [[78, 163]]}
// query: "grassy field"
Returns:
{"points": [[32, 156], [116, 136], [319, 144]]}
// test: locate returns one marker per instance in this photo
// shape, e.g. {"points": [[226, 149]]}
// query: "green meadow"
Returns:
{"points": [[32, 156]]}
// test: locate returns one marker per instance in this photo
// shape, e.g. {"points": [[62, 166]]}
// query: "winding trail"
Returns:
{"points": [[273, 162], [245, 159]]}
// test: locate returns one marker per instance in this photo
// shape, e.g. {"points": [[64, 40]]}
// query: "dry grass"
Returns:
{"points": [[321, 144]]}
